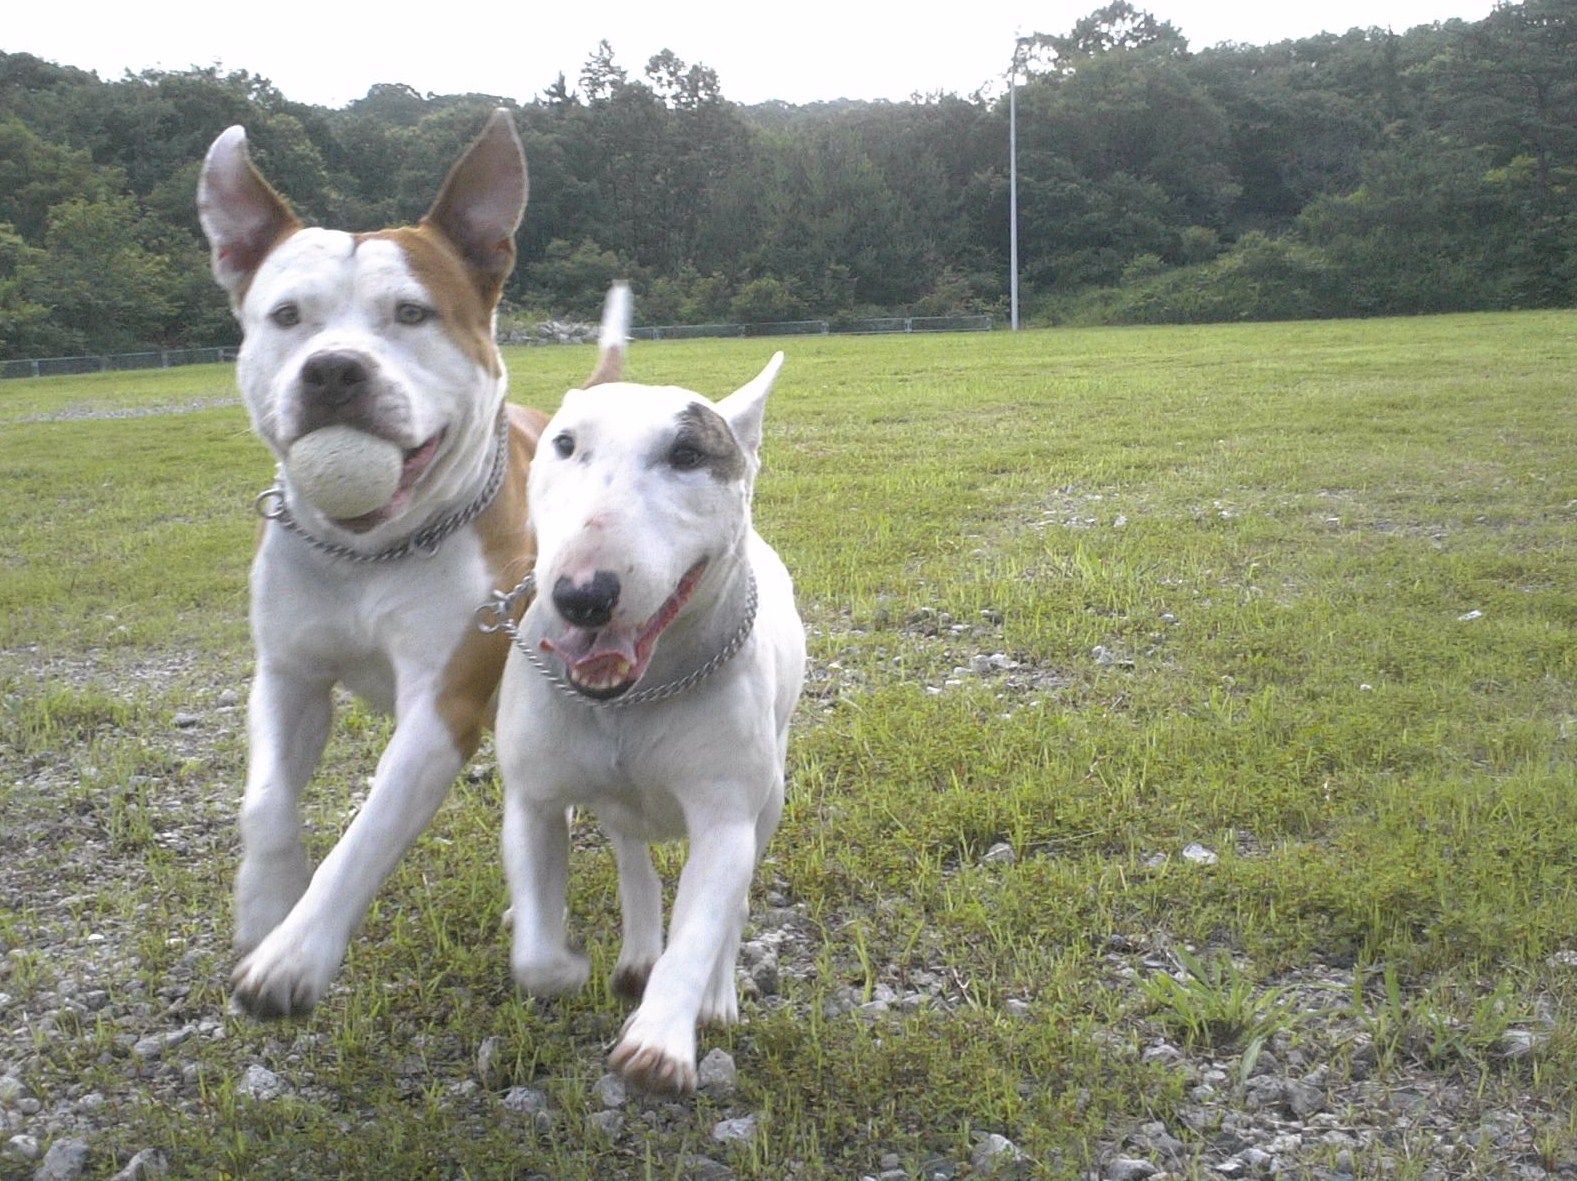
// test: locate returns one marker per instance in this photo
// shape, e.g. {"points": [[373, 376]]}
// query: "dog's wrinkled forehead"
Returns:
{"points": [[308, 258], [330, 274]]}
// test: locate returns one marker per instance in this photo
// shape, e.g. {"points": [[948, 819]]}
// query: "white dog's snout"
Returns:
{"points": [[589, 603]]}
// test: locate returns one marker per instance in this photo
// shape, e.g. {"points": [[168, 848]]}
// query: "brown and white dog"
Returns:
{"points": [[391, 332]]}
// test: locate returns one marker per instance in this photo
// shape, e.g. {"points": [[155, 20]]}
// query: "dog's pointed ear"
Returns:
{"points": [[241, 214], [743, 409], [482, 201], [613, 337]]}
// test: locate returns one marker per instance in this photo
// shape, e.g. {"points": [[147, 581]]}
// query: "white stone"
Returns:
{"points": [[65, 1161], [261, 1083], [730, 1131], [716, 1072]]}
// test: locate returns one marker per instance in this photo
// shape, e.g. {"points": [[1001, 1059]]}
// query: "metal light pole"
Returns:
{"points": [[1019, 46]]}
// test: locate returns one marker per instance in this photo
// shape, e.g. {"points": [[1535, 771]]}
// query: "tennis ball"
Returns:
{"points": [[345, 472]]}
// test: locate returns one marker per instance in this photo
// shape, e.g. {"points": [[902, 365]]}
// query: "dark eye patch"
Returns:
{"points": [[685, 455], [703, 442]]}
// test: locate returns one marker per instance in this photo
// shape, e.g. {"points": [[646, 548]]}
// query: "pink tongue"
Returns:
{"points": [[613, 655], [593, 663], [416, 461], [580, 645]]}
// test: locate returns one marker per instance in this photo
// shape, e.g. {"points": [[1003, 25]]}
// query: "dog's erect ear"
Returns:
{"points": [[482, 201], [613, 337], [240, 211], [743, 409]]}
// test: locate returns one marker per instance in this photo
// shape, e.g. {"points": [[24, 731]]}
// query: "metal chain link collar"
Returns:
{"points": [[498, 614], [271, 506]]}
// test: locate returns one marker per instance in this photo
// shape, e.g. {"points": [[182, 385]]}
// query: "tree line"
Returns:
{"points": [[1370, 172]]}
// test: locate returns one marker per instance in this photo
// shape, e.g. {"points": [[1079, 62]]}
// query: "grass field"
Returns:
{"points": [[1298, 600]]}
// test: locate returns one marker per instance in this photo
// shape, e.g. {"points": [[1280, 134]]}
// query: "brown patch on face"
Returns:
{"points": [[704, 440], [468, 699], [247, 265], [464, 308]]}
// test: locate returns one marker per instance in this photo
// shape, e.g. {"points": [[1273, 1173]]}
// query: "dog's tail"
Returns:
{"points": [[614, 338]]}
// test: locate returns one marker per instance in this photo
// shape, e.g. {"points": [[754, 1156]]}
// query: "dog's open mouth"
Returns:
{"points": [[606, 662], [417, 461]]}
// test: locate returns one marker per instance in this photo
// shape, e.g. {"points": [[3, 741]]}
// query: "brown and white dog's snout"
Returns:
{"points": [[336, 379], [339, 387]]}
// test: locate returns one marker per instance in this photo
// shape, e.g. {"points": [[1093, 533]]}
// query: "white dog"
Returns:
{"points": [[391, 333], [652, 680]]}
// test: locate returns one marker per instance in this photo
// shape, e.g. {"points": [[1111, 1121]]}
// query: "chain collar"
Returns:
{"points": [[498, 614], [271, 506]]}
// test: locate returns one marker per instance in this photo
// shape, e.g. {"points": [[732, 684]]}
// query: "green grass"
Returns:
{"points": [[1304, 594]]}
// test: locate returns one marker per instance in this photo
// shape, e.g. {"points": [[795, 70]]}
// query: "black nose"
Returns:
{"points": [[335, 378], [588, 604]]}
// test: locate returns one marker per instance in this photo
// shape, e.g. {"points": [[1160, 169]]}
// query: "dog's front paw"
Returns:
{"points": [[552, 975], [655, 1062], [284, 977]]}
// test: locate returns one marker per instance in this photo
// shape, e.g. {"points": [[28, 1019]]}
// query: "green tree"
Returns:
{"points": [[766, 299], [21, 316], [35, 175], [575, 278], [601, 77], [1427, 231], [1509, 85], [105, 289], [830, 218], [1113, 28]]}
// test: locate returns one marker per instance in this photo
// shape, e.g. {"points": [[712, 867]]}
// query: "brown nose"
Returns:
{"points": [[587, 604]]}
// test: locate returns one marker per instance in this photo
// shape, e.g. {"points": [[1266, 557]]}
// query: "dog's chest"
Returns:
{"points": [[370, 623], [624, 773]]}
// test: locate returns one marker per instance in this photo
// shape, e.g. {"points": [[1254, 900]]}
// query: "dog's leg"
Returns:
{"points": [[287, 723], [720, 1006], [641, 913], [720, 1003], [290, 969], [536, 862], [657, 1049]]}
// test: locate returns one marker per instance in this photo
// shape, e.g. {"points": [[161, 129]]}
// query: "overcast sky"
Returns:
{"points": [[330, 52]]}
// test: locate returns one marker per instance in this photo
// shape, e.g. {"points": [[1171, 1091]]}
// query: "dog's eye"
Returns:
{"points": [[685, 456], [286, 315], [564, 444], [412, 313]]}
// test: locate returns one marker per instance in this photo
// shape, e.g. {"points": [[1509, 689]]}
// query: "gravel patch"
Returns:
{"points": [[106, 413]]}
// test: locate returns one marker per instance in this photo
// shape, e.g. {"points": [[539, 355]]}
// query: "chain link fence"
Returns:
{"points": [[169, 358], [156, 359]]}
